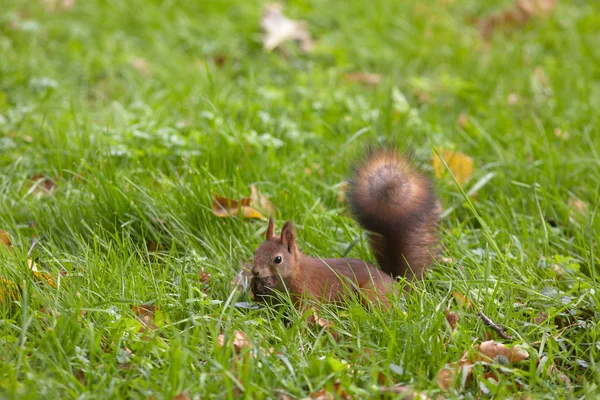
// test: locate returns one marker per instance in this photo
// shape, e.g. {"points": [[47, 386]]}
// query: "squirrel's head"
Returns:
{"points": [[275, 259]]}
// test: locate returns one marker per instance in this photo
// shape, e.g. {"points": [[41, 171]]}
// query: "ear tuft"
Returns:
{"points": [[288, 236], [270, 228]]}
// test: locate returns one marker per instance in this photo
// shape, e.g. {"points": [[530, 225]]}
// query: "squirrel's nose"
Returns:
{"points": [[255, 272]]}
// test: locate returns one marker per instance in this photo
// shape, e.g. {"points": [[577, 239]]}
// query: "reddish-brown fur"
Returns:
{"points": [[391, 200]]}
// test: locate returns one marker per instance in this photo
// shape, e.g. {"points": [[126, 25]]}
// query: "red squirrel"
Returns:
{"points": [[388, 198]]}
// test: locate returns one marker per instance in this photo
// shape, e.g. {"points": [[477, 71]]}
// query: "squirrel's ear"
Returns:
{"points": [[270, 228], [288, 236]]}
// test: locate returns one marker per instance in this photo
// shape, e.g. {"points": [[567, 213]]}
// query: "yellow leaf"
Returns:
{"points": [[9, 290], [224, 207], [249, 212], [42, 276], [462, 300], [460, 164]]}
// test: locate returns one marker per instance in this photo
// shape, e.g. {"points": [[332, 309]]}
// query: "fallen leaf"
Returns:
{"points": [[364, 78], [499, 353], [240, 341], [325, 324], [9, 290], [260, 201], [402, 392], [43, 276], [154, 246], [462, 300], [463, 120], [519, 14], [555, 371], [485, 353], [5, 239], [42, 185], [281, 395], [324, 394], [79, 374], [559, 133], [578, 206], [141, 66], [452, 319], [149, 315], [204, 278], [460, 164], [58, 5], [540, 318], [447, 376], [224, 207], [278, 29], [182, 396]]}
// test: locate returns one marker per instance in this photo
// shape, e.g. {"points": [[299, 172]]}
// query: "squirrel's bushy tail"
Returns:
{"points": [[398, 206]]}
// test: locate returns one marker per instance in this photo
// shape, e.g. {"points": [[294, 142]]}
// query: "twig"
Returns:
{"points": [[499, 330]]}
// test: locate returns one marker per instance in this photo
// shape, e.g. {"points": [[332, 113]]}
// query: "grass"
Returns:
{"points": [[141, 110]]}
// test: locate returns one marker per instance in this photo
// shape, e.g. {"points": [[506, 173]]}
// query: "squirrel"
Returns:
{"points": [[390, 199]]}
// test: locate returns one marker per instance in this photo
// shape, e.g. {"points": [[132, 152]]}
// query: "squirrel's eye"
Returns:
{"points": [[277, 260]]}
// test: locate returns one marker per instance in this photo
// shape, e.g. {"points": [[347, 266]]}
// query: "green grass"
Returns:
{"points": [[129, 148]]}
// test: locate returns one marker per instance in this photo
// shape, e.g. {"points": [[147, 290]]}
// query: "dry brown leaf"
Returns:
{"points": [[5, 239], [147, 314], [463, 120], [497, 352], [555, 371], [519, 14], [224, 207], [403, 392], [58, 5], [278, 29], [240, 341], [559, 133], [452, 319], [324, 394], [460, 164], [364, 78], [447, 376], [9, 291], [203, 276], [462, 300], [486, 352], [154, 246], [578, 206], [540, 318], [325, 324], [182, 396], [260, 201], [141, 65], [42, 185], [42, 276]]}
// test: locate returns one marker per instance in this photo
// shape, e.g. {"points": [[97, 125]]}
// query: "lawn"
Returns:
{"points": [[119, 120]]}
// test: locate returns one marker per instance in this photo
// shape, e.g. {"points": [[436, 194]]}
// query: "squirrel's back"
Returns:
{"points": [[398, 205]]}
